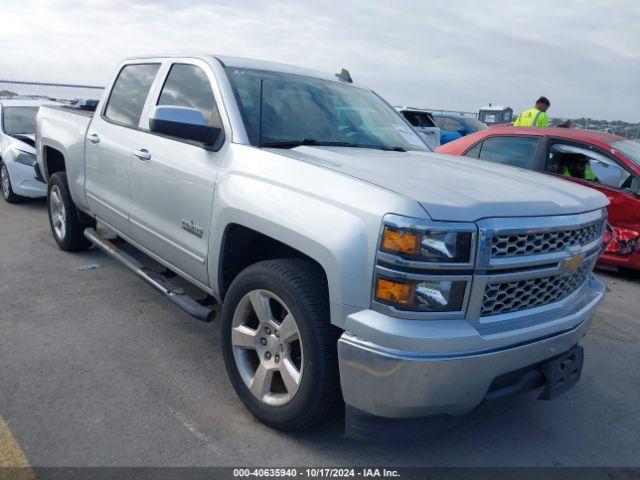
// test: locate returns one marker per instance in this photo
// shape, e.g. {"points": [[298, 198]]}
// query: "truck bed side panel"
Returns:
{"points": [[65, 130]]}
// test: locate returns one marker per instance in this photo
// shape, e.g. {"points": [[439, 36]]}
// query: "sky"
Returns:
{"points": [[457, 55]]}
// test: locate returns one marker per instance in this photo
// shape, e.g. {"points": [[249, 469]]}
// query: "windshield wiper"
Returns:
{"points": [[319, 143], [305, 141]]}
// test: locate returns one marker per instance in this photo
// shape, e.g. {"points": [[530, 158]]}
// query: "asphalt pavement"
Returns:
{"points": [[97, 369]]}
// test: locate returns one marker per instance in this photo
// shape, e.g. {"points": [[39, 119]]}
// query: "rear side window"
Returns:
{"points": [[515, 151], [130, 92], [419, 119], [189, 86]]}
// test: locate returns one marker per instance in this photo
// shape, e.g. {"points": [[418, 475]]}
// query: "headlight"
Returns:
{"points": [[432, 245], [24, 158], [421, 295]]}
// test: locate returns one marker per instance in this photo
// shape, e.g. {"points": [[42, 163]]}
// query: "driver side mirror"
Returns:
{"points": [[183, 122], [635, 186], [462, 131]]}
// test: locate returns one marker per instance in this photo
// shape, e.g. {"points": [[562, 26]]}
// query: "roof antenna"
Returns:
{"points": [[344, 76]]}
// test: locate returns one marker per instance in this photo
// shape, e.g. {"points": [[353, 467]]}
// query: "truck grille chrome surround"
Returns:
{"points": [[505, 297], [516, 244], [528, 268]]}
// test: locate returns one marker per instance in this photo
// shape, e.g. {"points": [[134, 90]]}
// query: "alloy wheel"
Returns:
{"points": [[267, 347], [58, 212]]}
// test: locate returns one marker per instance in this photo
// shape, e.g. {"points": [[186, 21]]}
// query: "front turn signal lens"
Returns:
{"points": [[394, 292], [401, 241]]}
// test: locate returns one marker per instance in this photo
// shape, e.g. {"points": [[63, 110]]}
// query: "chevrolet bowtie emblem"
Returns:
{"points": [[574, 263]]}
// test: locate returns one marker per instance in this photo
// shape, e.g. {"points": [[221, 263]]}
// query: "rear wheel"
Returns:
{"points": [[279, 345], [5, 183], [64, 218]]}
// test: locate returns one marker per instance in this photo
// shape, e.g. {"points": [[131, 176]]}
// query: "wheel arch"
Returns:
{"points": [[242, 246], [341, 255], [53, 160]]}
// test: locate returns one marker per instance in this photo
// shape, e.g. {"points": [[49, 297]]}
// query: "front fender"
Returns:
{"points": [[341, 234]]}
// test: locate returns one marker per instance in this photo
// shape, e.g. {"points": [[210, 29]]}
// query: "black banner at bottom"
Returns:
{"points": [[308, 473]]}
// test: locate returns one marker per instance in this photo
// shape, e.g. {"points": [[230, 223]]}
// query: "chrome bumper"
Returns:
{"points": [[395, 383]]}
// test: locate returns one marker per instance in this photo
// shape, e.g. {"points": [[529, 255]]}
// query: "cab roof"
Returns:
{"points": [[249, 63], [573, 133]]}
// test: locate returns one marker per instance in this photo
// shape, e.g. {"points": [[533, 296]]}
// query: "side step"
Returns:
{"points": [[174, 293]]}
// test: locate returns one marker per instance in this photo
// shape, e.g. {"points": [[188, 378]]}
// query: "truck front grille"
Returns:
{"points": [[524, 243], [505, 297]]}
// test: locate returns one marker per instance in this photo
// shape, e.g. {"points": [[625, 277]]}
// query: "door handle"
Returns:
{"points": [[93, 138], [143, 155]]}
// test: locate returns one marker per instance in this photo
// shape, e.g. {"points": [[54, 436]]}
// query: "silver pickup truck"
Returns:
{"points": [[350, 262]]}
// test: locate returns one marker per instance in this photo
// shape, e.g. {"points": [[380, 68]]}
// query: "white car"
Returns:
{"points": [[19, 174], [422, 122]]}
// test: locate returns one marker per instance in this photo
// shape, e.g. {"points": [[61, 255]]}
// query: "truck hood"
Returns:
{"points": [[454, 188]]}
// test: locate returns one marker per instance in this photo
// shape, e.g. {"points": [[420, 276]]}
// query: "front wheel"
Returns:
{"points": [[64, 218], [5, 183], [279, 345]]}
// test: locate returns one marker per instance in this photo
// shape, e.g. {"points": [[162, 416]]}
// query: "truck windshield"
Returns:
{"points": [[19, 120], [630, 148], [286, 110]]}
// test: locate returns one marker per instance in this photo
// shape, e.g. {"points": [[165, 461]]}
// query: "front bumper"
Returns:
{"points": [[393, 383], [25, 180]]}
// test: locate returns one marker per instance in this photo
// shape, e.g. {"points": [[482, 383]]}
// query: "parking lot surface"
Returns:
{"points": [[97, 369]]}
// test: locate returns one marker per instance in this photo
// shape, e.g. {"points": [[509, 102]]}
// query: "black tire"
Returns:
{"points": [[70, 238], [300, 284], [8, 194]]}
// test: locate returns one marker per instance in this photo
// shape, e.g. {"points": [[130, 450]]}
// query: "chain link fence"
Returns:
{"points": [[62, 92]]}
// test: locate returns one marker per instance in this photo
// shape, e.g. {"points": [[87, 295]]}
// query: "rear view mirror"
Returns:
{"points": [[183, 122]]}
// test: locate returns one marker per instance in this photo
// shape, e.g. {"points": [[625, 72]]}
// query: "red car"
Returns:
{"points": [[614, 160]]}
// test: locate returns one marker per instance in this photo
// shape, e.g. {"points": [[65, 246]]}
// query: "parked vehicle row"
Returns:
{"points": [[351, 262], [613, 160]]}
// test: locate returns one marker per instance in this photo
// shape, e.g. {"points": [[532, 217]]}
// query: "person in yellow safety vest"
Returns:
{"points": [[576, 165], [536, 116]]}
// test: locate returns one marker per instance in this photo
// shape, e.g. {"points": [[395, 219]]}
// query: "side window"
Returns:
{"points": [[129, 93], [440, 122], [189, 86], [419, 119], [451, 124], [515, 151], [474, 151], [586, 164]]}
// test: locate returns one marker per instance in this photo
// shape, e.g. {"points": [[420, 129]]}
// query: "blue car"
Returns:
{"points": [[453, 127]]}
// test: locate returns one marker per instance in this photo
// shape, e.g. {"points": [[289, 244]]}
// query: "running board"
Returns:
{"points": [[161, 283]]}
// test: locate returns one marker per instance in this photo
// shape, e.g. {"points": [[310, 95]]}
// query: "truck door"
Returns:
{"points": [[173, 180], [109, 144]]}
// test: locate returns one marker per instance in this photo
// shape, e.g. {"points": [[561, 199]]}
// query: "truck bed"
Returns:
{"points": [[63, 128], [72, 109]]}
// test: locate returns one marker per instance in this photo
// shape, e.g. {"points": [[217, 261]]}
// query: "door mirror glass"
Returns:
{"points": [[635, 186], [183, 122]]}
